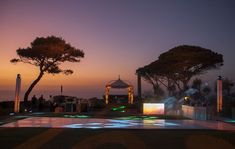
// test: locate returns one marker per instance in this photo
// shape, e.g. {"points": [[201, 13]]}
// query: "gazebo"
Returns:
{"points": [[119, 84]]}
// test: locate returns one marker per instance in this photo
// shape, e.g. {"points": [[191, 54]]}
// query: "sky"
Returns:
{"points": [[117, 36]]}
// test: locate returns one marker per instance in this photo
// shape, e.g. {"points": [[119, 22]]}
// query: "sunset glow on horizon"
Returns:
{"points": [[117, 38]]}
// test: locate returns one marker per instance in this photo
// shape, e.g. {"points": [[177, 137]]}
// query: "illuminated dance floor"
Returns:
{"points": [[94, 123]]}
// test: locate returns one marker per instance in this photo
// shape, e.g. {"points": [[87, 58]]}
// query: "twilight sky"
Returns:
{"points": [[117, 36]]}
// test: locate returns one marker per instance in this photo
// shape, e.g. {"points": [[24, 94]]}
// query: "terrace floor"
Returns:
{"points": [[123, 123]]}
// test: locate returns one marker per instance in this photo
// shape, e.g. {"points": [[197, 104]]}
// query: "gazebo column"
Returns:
{"points": [[107, 94], [130, 95]]}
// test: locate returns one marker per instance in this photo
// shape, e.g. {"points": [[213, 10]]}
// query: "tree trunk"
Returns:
{"points": [[26, 95], [228, 91], [185, 84], [155, 89], [178, 86]]}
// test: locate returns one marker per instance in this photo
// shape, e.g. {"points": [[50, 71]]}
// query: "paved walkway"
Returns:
{"points": [[94, 123]]}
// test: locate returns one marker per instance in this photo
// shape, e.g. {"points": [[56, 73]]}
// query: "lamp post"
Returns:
{"points": [[139, 85], [61, 90], [17, 94], [219, 94]]}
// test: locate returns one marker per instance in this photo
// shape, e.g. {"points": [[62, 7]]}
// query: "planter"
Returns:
{"points": [[196, 113]]}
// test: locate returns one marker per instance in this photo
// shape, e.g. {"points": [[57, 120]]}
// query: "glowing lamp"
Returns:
{"points": [[186, 98], [153, 108]]}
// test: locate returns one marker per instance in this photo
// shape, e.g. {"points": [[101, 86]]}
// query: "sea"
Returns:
{"points": [[9, 95]]}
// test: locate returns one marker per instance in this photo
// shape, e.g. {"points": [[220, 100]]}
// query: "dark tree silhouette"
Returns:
{"points": [[153, 76], [197, 83], [187, 61], [47, 54], [178, 65], [227, 85], [206, 90]]}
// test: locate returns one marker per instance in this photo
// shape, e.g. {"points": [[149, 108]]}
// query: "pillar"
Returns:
{"points": [[17, 94], [107, 94], [139, 85], [219, 94]]}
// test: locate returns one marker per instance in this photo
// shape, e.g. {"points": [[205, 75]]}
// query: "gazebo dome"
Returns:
{"points": [[119, 84]]}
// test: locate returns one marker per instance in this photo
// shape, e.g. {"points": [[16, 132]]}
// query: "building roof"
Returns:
{"points": [[119, 84]]}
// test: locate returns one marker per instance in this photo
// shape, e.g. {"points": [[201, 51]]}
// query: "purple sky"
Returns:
{"points": [[117, 36]]}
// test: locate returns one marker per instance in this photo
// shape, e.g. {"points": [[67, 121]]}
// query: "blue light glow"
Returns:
{"points": [[21, 116], [74, 126], [93, 127], [230, 121], [38, 113], [94, 123]]}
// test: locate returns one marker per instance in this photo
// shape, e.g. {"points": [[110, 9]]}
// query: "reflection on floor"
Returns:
{"points": [[93, 123]]}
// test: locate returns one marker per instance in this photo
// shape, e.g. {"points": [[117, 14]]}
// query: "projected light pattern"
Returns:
{"points": [[74, 126], [93, 123], [120, 108], [112, 123], [138, 118], [38, 113], [21, 116], [230, 121]]}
